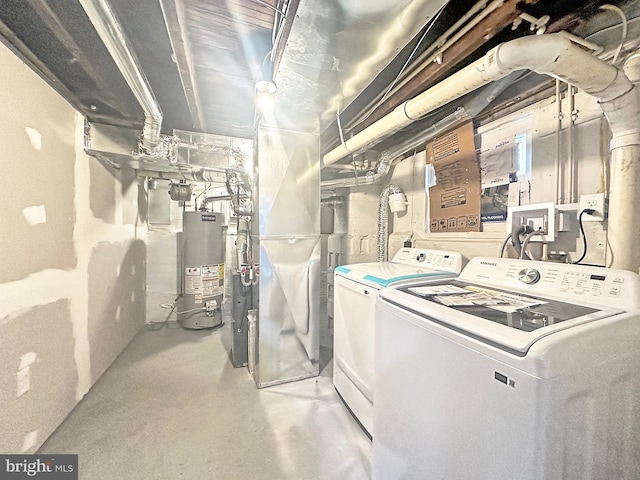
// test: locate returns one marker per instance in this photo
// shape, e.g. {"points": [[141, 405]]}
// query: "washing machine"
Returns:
{"points": [[515, 370], [355, 290]]}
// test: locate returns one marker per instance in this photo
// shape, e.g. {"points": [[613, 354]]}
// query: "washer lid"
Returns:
{"points": [[382, 274], [505, 319]]}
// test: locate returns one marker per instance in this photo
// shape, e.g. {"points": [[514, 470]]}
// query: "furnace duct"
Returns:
{"points": [[112, 35], [557, 56]]}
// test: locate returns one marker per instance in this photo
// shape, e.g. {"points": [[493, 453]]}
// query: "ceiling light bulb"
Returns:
{"points": [[266, 86]]}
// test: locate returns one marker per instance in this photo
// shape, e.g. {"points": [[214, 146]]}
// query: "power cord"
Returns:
{"points": [[515, 240], [588, 211], [504, 244]]}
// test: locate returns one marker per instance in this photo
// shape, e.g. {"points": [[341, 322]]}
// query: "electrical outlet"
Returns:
{"points": [[596, 202]]}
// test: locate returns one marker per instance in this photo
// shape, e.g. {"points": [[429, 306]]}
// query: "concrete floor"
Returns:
{"points": [[172, 406]]}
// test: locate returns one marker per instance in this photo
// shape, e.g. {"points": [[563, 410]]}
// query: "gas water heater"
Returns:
{"points": [[202, 270]]}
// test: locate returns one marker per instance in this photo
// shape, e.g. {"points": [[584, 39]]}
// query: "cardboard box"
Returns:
{"points": [[454, 201]]}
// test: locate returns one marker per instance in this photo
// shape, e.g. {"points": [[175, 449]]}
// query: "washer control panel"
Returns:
{"points": [[616, 288]]}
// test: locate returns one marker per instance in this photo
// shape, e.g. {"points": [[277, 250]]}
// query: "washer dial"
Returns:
{"points": [[529, 275]]}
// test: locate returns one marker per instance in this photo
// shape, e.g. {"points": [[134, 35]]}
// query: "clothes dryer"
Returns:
{"points": [[355, 290]]}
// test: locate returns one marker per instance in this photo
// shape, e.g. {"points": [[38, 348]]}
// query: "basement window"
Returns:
{"points": [[523, 156]]}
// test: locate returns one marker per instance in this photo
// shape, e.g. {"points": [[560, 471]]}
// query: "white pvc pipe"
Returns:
{"points": [[623, 115], [547, 54], [624, 208], [458, 84], [453, 34], [558, 57]]}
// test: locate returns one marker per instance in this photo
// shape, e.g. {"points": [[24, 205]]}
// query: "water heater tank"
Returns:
{"points": [[202, 270]]}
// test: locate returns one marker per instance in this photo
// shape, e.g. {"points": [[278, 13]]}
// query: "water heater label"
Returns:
{"points": [[211, 288], [210, 271], [208, 218], [192, 281]]}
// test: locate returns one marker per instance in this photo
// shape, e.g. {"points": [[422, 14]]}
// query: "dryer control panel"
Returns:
{"points": [[437, 259], [618, 288]]}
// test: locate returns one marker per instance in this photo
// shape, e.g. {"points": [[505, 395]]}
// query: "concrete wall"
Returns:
{"points": [[72, 251], [590, 140]]}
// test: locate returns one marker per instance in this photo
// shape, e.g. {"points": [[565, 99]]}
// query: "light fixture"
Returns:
{"points": [[266, 86]]}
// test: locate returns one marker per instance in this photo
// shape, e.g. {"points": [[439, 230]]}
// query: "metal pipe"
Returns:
{"points": [[112, 35], [559, 170], [235, 196], [550, 54], [573, 171], [437, 55], [217, 198], [173, 12], [242, 242]]}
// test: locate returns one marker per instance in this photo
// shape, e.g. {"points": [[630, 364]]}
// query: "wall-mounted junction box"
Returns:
{"points": [[596, 202], [540, 217]]}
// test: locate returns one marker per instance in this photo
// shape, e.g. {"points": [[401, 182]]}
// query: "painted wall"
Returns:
{"points": [[590, 150], [72, 252]]}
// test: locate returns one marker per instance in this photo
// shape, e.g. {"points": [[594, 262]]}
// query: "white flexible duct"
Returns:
{"points": [[383, 219], [112, 35], [551, 54]]}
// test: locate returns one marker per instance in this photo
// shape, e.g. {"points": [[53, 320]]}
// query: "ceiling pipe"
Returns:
{"points": [[551, 54], [390, 157], [557, 56], [112, 35]]}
